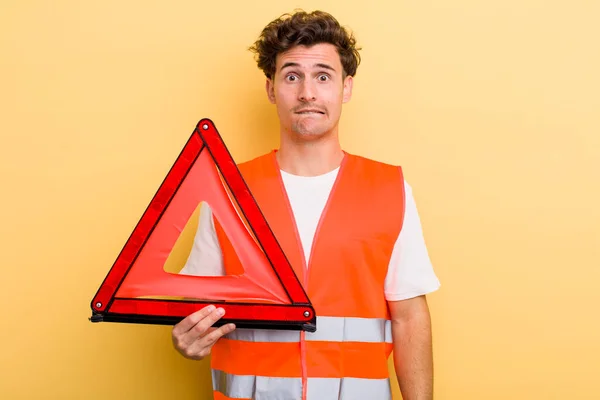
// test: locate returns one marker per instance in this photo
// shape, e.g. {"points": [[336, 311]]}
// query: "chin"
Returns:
{"points": [[308, 132], [308, 135]]}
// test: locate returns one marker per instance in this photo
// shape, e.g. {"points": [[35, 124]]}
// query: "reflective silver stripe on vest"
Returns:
{"points": [[267, 388], [256, 387], [264, 335], [348, 389], [234, 386], [333, 329], [340, 329]]}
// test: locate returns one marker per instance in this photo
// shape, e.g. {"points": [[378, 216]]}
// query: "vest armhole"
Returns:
{"points": [[403, 191]]}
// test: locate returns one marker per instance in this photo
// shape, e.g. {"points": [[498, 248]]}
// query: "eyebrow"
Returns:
{"points": [[294, 64]]}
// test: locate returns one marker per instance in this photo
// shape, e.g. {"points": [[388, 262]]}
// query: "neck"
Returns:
{"points": [[311, 157]]}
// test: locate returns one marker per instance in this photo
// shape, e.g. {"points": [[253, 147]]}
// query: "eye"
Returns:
{"points": [[291, 78], [323, 78]]}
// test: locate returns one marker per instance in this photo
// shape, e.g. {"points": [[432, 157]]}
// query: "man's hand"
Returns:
{"points": [[194, 336]]}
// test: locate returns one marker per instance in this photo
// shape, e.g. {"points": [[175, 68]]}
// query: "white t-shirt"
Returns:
{"points": [[410, 272]]}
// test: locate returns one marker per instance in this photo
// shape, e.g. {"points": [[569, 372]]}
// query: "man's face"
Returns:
{"points": [[309, 89]]}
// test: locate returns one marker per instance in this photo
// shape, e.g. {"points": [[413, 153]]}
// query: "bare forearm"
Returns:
{"points": [[413, 358]]}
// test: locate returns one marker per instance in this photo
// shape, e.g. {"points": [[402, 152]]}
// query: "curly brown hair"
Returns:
{"points": [[307, 29]]}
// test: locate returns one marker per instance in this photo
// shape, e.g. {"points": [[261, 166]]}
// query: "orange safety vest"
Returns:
{"points": [[346, 358]]}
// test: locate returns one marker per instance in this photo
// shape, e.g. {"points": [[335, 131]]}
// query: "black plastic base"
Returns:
{"points": [[240, 324]]}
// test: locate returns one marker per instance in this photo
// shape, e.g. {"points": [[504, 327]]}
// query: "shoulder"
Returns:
{"points": [[256, 159], [376, 168], [256, 163], [382, 168], [370, 163]]}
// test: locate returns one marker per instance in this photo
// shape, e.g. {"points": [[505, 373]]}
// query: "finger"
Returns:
{"points": [[191, 320], [201, 327], [209, 330], [216, 334]]}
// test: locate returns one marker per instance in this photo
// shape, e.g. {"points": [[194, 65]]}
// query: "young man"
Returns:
{"points": [[350, 229]]}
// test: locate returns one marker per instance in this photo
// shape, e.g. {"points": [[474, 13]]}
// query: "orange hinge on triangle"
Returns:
{"points": [[266, 295]]}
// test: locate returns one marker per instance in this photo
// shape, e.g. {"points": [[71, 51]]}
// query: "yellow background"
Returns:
{"points": [[492, 107]]}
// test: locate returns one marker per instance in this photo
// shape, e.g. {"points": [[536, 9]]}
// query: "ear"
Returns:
{"points": [[347, 95], [270, 87]]}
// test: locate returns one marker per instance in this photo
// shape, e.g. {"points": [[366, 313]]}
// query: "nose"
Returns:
{"points": [[307, 92]]}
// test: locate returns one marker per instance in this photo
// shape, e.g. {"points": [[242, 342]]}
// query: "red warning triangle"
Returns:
{"points": [[266, 295]]}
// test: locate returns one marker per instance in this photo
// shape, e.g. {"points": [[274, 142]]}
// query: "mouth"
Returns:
{"points": [[309, 111]]}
